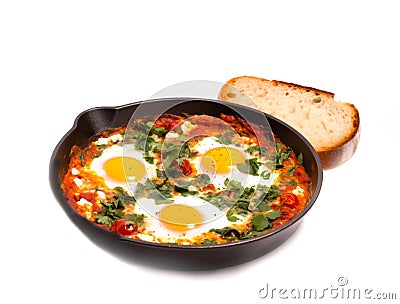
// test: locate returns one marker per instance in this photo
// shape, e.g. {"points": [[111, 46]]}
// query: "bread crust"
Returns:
{"points": [[332, 156], [282, 83], [341, 153]]}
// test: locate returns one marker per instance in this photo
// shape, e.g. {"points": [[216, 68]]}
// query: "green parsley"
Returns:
{"points": [[256, 149], [124, 196], [160, 132], [147, 157], [134, 219], [261, 222], [208, 242], [265, 221], [227, 233], [184, 191], [281, 155], [239, 208], [300, 159], [82, 158], [250, 166], [110, 211], [273, 193], [265, 175], [291, 170]]}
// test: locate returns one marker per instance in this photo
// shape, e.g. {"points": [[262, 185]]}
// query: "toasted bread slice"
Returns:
{"points": [[332, 127]]}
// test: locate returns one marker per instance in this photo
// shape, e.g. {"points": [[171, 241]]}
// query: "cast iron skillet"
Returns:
{"points": [[173, 256]]}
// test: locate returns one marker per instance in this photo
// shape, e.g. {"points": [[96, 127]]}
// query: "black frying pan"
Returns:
{"points": [[173, 256]]}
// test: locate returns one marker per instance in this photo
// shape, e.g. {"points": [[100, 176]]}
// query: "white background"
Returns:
{"points": [[59, 58]]}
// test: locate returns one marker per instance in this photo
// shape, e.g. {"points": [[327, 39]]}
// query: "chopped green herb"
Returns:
{"points": [[141, 142], [234, 186], [104, 219], [265, 206], [293, 182], [265, 175], [239, 208], [233, 193], [157, 148], [124, 196], [281, 156], [272, 215], [204, 179], [300, 159], [228, 233], [160, 193], [110, 211], [134, 219], [273, 193], [150, 144], [261, 222], [253, 149], [208, 242], [170, 154], [160, 132], [82, 158], [184, 191], [226, 182], [231, 218], [250, 166], [291, 170], [148, 158]]}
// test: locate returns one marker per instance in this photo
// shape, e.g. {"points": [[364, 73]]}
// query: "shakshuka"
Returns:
{"points": [[187, 180]]}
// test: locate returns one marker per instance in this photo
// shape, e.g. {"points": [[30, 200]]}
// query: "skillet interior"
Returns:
{"points": [[95, 120]]}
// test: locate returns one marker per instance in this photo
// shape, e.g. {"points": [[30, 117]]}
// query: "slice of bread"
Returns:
{"points": [[332, 127]]}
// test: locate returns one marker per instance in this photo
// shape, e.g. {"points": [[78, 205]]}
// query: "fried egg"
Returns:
{"points": [[184, 218], [122, 166], [220, 162]]}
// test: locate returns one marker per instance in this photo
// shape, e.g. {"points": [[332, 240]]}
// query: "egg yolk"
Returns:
{"points": [[220, 159], [180, 217], [125, 169]]}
